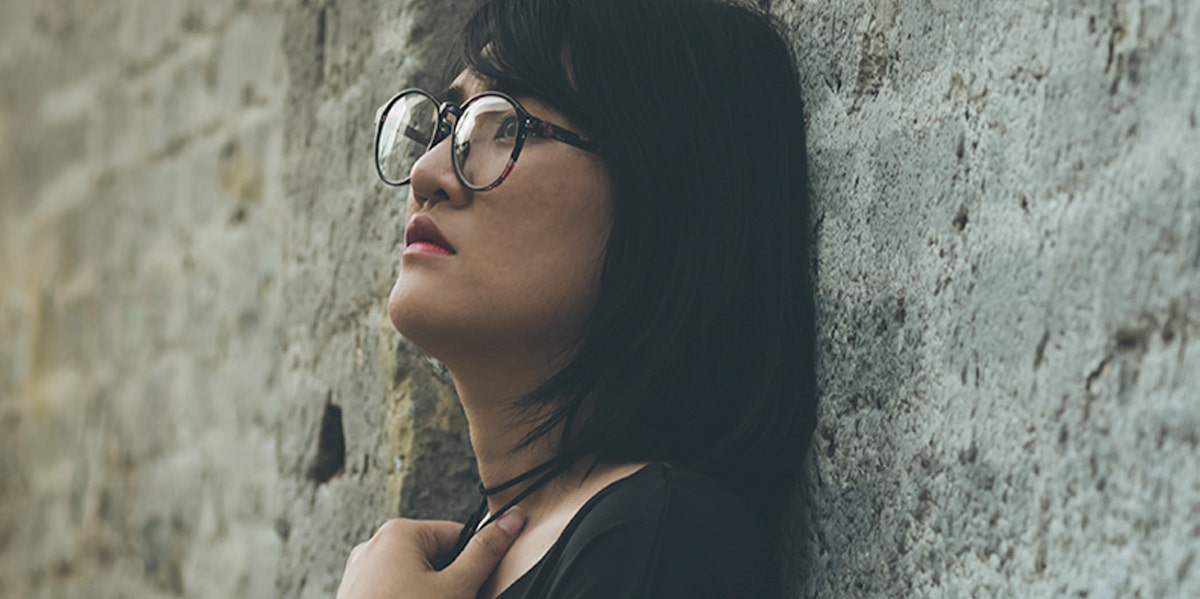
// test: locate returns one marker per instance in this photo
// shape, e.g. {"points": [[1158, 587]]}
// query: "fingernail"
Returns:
{"points": [[512, 521]]}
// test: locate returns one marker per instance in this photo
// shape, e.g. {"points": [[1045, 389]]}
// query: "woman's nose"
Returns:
{"points": [[433, 179]]}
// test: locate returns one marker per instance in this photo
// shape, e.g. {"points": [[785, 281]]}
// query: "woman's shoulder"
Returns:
{"points": [[673, 504], [662, 532]]}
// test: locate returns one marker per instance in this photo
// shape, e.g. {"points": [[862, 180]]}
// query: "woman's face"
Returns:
{"points": [[523, 268]]}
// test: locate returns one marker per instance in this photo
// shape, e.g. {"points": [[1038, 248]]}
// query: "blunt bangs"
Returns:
{"points": [[520, 47]]}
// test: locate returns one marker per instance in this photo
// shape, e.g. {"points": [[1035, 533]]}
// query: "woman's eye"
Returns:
{"points": [[508, 129]]}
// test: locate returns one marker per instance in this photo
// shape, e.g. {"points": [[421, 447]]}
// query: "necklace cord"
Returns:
{"points": [[550, 469], [516, 480]]}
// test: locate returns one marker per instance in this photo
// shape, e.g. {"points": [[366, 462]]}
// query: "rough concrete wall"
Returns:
{"points": [[405, 449], [201, 396], [140, 205], [1009, 252]]}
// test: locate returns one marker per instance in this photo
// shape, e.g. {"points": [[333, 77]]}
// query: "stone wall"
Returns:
{"points": [[1009, 255], [142, 208], [201, 395]]}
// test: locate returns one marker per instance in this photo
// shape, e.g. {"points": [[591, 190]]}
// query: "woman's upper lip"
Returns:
{"points": [[421, 228]]}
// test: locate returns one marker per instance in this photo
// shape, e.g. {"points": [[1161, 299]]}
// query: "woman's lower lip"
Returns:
{"points": [[424, 247]]}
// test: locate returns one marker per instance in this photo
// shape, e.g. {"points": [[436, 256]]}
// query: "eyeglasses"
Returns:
{"points": [[487, 135]]}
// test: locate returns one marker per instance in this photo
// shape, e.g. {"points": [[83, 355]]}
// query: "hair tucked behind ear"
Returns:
{"points": [[700, 350]]}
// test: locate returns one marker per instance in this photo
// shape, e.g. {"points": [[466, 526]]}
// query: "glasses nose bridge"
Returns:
{"points": [[444, 126], [448, 108]]}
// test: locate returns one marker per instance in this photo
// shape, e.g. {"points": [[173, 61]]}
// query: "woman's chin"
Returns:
{"points": [[407, 315], [396, 314], [405, 311], [430, 325]]}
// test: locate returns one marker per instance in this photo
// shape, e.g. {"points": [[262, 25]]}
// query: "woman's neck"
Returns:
{"points": [[498, 425]]}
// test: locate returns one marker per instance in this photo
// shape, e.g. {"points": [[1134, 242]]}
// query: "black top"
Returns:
{"points": [[658, 533]]}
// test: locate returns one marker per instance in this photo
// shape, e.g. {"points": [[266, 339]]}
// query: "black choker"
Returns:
{"points": [[518, 479]]}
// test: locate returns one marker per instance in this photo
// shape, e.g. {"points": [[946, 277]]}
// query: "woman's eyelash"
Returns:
{"points": [[508, 127]]}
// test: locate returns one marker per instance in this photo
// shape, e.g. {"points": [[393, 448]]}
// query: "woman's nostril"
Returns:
{"points": [[437, 196]]}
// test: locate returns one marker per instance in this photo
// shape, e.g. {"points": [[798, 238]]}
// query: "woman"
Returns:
{"points": [[608, 247]]}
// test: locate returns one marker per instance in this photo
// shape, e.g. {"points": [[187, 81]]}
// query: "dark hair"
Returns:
{"points": [[700, 349]]}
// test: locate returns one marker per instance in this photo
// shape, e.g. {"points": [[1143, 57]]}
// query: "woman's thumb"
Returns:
{"points": [[483, 552]]}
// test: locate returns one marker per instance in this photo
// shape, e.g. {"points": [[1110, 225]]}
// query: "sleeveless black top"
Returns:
{"points": [[658, 533]]}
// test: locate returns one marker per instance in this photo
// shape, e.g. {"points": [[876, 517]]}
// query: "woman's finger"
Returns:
{"points": [[440, 537], [481, 555]]}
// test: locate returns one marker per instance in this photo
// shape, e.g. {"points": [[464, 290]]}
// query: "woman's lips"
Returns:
{"points": [[426, 247], [423, 237]]}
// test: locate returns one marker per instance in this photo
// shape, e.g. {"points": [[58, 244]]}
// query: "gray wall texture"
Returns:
{"points": [[201, 395]]}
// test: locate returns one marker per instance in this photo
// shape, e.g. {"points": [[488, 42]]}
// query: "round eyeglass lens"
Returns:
{"points": [[407, 130], [485, 139]]}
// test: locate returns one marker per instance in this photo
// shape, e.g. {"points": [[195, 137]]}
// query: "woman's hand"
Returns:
{"points": [[396, 563]]}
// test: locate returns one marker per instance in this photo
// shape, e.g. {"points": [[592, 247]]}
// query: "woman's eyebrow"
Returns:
{"points": [[453, 94]]}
